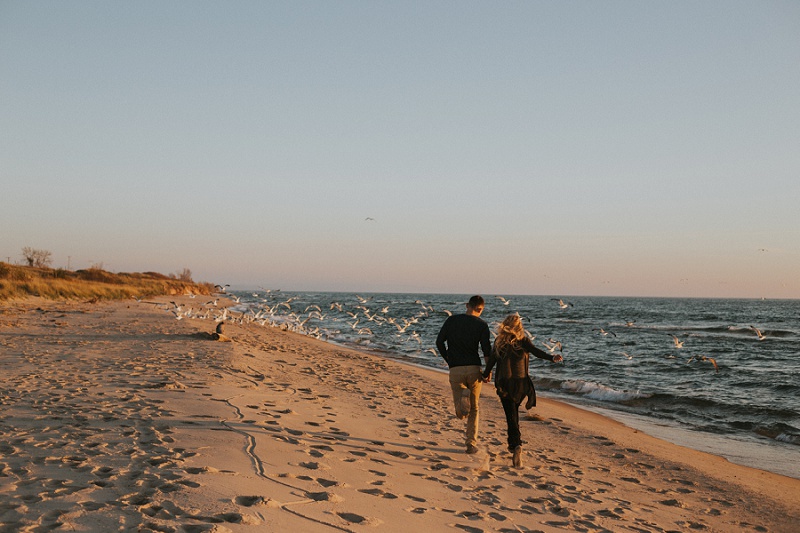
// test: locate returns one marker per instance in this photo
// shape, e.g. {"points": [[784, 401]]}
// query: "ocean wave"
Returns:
{"points": [[600, 392], [780, 432], [723, 330]]}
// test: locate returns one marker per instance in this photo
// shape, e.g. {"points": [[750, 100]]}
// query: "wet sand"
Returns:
{"points": [[118, 417]]}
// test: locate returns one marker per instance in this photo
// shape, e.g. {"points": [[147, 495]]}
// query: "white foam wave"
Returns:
{"points": [[791, 439], [600, 392]]}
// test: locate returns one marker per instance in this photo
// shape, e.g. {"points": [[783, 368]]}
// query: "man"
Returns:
{"points": [[458, 343]]}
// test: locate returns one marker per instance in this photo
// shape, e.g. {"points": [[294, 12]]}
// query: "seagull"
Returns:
{"points": [[630, 323], [370, 219], [604, 332], [553, 346], [758, 333], [704, 358], [627, 355], [562, 304], [678, 343], [713, 361], [505, 302]]}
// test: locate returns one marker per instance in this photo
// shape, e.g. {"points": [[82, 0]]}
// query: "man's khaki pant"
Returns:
{"points": [[462, 379]]}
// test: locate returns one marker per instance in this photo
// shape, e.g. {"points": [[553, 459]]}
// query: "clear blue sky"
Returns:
{"points": [[569, 148]]}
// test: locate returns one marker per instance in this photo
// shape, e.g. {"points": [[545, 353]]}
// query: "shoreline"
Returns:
{"points": [[121, 417], [779, 458]]}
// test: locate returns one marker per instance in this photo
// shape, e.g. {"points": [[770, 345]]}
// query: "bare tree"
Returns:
{"points": [[185, 275], [37, 258]]}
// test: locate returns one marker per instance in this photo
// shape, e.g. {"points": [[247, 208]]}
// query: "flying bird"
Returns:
{"points": [[678, 342], [713, 361], [604, 332], [758, 333], [553, 346], [505, 302], [704, 358], [562, 304]]}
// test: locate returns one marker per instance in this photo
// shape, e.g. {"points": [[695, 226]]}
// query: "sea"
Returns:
{"points": [[717, 375]]}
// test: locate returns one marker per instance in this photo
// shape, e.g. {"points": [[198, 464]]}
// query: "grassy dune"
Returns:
{"points": [[94, 283]]}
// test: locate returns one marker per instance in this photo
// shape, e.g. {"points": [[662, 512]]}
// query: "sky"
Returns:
{"points": [[619, 148]]}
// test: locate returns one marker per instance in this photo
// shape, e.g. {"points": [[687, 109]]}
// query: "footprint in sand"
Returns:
{"points": [[354, 518], [379, 492]]}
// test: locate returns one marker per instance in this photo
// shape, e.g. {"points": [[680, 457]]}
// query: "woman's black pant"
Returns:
{"points": [[511, 409]]}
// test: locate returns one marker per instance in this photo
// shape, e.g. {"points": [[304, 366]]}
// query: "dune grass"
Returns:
{"points": [[60, 284]]}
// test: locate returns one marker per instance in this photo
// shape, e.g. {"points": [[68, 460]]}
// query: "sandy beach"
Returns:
{"points": [[118, 417]]}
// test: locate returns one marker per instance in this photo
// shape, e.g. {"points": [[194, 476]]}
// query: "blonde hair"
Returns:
{"points": [[509, 333]]}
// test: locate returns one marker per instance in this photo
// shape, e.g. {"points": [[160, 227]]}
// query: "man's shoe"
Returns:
{"points": [[517, 458], [472, 449]]}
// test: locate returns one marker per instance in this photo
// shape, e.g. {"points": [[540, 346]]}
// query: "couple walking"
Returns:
{"points": [[458, 342]]}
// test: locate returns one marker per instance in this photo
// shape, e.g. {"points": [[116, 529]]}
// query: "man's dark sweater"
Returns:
{"points": [[459, 338]]}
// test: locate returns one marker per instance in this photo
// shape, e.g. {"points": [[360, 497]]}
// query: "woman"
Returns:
{"points": [[513, 383]]}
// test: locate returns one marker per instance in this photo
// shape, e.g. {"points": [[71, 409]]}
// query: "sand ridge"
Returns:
{"points": [[116, 416]]}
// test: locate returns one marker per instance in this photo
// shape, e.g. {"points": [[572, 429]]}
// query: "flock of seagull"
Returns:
{"points": [[358, 321]]}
